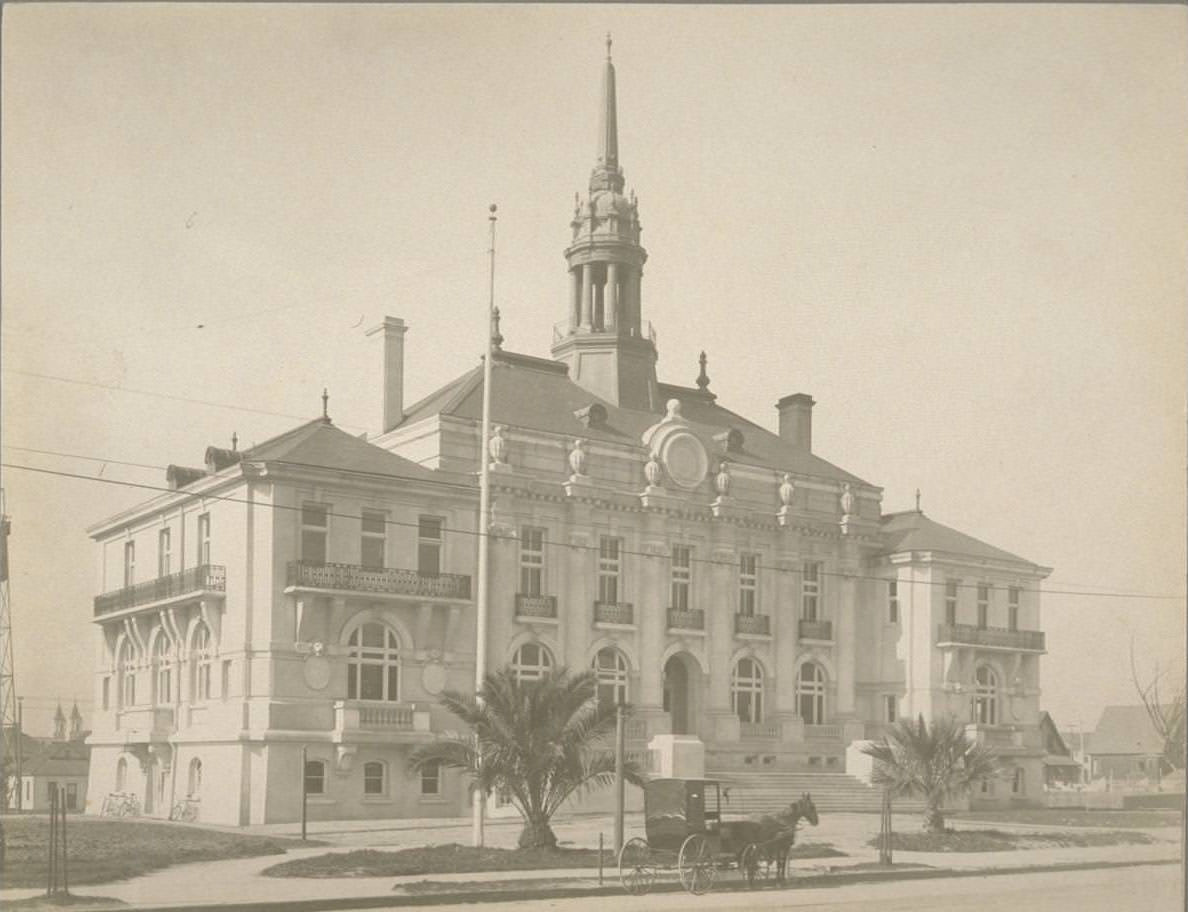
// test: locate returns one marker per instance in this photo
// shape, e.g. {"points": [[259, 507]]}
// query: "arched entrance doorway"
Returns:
{"points": [[681, 676]]}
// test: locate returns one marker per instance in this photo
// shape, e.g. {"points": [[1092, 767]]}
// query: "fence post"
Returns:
{"points": [[53, 821], [600, 858]]}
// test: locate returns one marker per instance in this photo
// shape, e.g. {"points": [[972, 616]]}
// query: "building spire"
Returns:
{"points": [[607, 175]]}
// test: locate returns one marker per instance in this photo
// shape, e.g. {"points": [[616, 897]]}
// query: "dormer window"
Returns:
{"points": [[730, 441], [592, 415]]}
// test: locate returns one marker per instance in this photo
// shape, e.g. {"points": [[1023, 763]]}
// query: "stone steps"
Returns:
{"points": [[766, 792]]}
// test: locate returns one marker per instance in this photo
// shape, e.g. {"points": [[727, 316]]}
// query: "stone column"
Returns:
{"points": [[611, 297], [575, 297], [844, 638], [587, 296], [650, 618]]}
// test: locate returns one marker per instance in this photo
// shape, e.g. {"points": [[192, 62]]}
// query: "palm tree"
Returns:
{"points": [[536, 741], [936, 762]]}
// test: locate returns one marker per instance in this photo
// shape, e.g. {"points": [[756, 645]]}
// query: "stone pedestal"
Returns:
{"points": [[678, 756]]}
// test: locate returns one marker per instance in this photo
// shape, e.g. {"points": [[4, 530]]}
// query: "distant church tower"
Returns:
{"points": [[59, 724], [609, 349], [76, 724]]}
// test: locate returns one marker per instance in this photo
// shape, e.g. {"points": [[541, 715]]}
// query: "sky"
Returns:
{"points": [[960, 228]]}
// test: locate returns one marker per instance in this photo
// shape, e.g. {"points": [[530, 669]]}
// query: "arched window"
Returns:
{"points": [[985, 696], [531, 662], [373, 778], [610, 667], [162, 670], [194, 782], [810, 693], [201, 652], [746, 690], [127, 665], [315, 777], [121, 774], [373, 664]]}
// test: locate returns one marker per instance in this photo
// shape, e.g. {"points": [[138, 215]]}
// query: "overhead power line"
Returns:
{"points": [[556, 545]]}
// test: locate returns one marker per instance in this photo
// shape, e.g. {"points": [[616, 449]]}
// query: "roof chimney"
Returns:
{"points": [[392, 330], [796, 420]]}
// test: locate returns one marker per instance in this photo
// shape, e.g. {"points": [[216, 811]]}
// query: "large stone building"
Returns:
{"points": [[314, 593]]}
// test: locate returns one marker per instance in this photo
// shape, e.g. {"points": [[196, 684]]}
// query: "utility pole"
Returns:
{"points": [[484, 524], [620, 804], [9, 730]]}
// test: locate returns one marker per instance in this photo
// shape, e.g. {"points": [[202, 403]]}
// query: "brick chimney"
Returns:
{"points": [[392, 332], [796, 420]]}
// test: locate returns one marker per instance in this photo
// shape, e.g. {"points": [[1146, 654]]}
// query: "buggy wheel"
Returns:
{"points": [[753, 865], [696, 864], [636, 869]]}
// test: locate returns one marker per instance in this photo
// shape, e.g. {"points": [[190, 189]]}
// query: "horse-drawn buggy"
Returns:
{"points": [[685, 830]]}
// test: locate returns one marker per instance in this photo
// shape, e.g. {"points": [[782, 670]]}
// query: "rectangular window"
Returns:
{"points": [[53, 790], [429, 530], [373, 778], [951, 602], [1017, 781], [682, 576], [225, 683], [610, 552], [373, 539], [893, 602], [129, 564], [107, 693], [315, 777], [810, 592], [891, 708], [983, 605], [315, 522], [203, 539], [748, 584], [431, 779], [531, 561], [1013, 608], [72, 796], [164, 552]]}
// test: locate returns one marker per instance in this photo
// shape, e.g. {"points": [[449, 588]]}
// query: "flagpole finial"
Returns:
{"points": [[608, 45], [918, 510], [325, 404], [492, 209]]}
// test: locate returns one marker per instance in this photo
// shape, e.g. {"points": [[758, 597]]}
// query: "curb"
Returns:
{"points": [[837, 879]]}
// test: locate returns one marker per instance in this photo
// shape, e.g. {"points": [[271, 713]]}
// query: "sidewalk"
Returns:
{"points": [[240, 880]]}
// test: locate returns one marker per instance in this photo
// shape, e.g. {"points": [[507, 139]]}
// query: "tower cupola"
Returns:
{"points": [[609, 348]]}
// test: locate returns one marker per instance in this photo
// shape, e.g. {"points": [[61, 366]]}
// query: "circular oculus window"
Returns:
{"points": [[684, 459]]}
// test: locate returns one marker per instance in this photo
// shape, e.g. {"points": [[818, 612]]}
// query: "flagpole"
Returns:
{"points": [[480, 650]]}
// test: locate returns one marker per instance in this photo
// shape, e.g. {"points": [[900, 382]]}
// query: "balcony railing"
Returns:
{"points": [[537, 606], [379, 716], [203, 578], [686, 620], [999, 637], [759, 624], [822, 732], [754, 731], [816, 630], [635, 729], [614, 613], [389, 580]]}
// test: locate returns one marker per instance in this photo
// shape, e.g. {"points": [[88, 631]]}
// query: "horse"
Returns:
{"points": [[773, 834]]}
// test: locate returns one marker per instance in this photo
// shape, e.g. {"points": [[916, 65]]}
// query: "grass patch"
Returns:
{"points": [[105, 849], [58, 902], [999, 841], [1078, 818], [459, 859]]}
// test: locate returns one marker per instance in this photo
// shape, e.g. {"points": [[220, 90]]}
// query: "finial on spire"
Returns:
{"points": [[702, 378], [608, 45], [918, 510], [496, 335], [234, 441], [325, 404]]}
